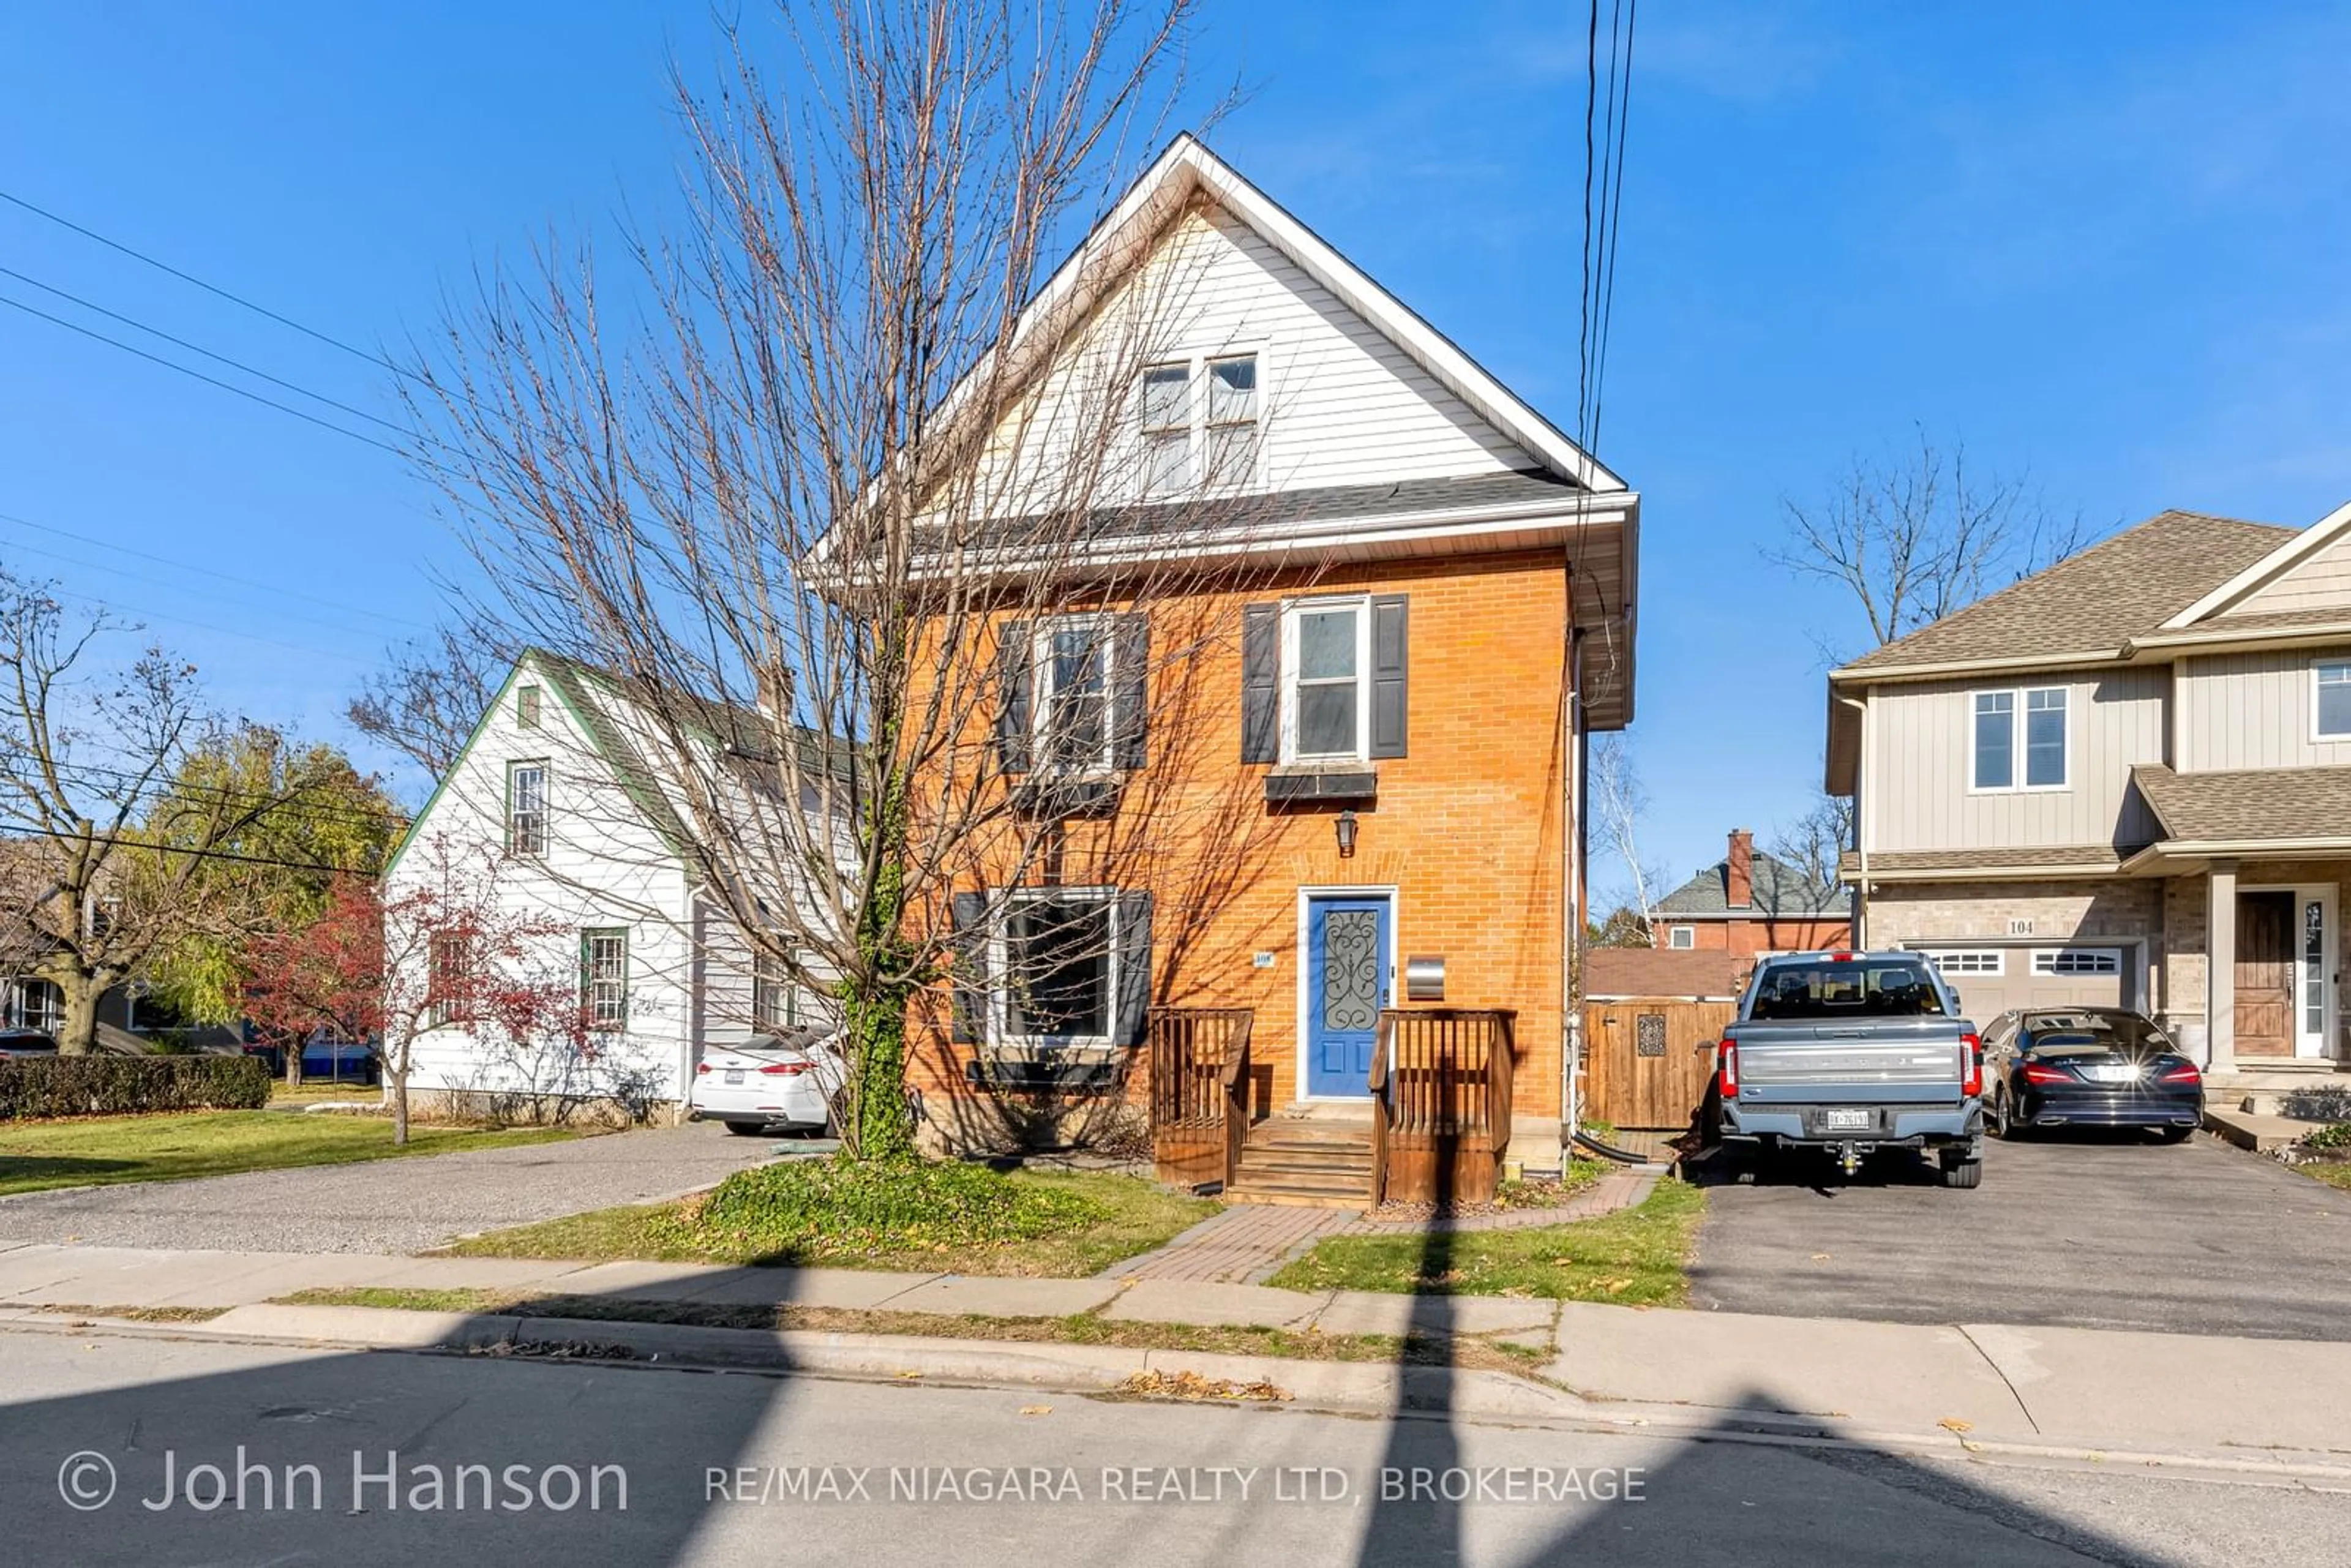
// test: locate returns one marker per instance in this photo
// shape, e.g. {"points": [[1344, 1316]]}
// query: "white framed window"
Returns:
{"points": [[775, 999], [35, 1004], [1681, 936], [1073, 658], [1055, 956], [1200, 420], [1326, 680], [1968, 961], [526, 810], [2077, 961], [2330, 699], [604, 978], [2020, 739], [1167, 429]]}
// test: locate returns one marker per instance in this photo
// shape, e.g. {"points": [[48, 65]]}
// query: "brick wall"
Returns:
{"points": [[1749, 937], [1468, 828]]}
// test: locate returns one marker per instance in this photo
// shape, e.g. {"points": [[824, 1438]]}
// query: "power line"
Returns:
{"points": [[207, 571], [112, 841], [297, 805], [213, 288], [138, 325], [209, 380], [98, 603]]}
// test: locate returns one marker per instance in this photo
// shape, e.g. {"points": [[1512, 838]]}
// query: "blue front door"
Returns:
{"points": [[1346, 986]]}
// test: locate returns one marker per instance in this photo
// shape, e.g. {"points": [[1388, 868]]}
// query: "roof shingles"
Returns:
{"points": [[2265, 805], [2094, 602]]}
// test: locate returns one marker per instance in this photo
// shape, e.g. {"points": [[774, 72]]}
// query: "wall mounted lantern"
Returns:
{"points": [[1345, 825]]}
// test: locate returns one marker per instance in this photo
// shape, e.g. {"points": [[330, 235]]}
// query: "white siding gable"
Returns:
{"points": [[1340, 402]]}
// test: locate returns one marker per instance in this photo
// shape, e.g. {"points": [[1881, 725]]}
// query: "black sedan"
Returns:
{"points": [[2088, 1067]]}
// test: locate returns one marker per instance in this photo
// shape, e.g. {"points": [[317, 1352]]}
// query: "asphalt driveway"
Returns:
{"points": [[2094, 1231], [387, 1205]]}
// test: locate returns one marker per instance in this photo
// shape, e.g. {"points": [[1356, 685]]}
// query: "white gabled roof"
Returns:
{"points": [[1125, 233]]}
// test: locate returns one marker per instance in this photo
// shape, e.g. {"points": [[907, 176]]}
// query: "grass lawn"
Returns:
{"points": [[86, 1151], [1125, 1216], [315, 1091], [1634, 1257], [2334, 1173]]}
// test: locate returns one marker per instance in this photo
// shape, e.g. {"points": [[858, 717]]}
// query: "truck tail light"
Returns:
{"points": [[1970, 1066], [1726, 1064]]}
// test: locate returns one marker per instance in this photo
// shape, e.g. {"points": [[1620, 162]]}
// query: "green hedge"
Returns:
{"points": [[114, 1085]]}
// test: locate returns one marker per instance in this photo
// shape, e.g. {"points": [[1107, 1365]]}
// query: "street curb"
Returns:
{"points": [[1356, 1388]]}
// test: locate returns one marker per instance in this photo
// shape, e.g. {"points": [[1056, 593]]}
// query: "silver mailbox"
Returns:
{"points": [[1423, 979]]}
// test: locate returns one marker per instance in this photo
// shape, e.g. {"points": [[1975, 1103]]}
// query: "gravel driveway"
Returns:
{"points": [[406, 1204], [2094, 1231]]}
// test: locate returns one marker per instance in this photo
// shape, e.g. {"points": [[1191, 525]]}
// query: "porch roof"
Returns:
{"points": [[2274, 811]]}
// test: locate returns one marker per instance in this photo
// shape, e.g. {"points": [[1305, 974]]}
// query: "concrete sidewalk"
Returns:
{"points": [[2081, 1390]]}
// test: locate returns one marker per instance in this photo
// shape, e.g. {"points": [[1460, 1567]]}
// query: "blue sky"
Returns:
{"points": [[2101, 243]]}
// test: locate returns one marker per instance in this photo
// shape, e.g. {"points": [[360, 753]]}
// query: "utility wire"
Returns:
{"points": [[134, 323], [132, 610], [212, 289], [112, 841], [297, 804], [178, 565], [210, 380]]}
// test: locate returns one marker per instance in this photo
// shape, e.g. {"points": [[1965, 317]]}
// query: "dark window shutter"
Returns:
{"points": [[1131, 704], [1261, 682], [1388, 669], [968, 1024], [1015, 675], [1133, 1004]]}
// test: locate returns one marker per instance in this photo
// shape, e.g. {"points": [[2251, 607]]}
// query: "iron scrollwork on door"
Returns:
{"points": [[1649, 1034], [1351, 969]]}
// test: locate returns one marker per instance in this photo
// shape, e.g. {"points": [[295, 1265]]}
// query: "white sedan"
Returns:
{"points": [[786, 1080]]}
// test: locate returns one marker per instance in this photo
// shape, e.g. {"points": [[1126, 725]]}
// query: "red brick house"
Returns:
{"points": [[1750, 902]]}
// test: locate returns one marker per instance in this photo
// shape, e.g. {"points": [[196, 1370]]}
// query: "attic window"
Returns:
{"points": [[1682, 936], [1209, 438], [527, 706]]}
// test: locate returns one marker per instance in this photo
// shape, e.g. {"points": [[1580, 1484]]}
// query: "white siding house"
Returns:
{"points": [[551, 803]]}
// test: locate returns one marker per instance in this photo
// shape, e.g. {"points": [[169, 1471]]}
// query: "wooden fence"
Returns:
{"points": [[1647, 1061]]}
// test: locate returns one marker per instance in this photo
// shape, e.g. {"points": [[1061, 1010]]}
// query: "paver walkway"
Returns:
{"points": [[1249, 1242]]}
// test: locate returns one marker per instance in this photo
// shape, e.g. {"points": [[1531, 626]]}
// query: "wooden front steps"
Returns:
{"points": [[1306, 1162]]}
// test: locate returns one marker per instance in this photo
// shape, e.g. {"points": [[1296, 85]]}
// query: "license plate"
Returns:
{"points": [[734, 1075], [1848, 1121], [2109, 1072]]}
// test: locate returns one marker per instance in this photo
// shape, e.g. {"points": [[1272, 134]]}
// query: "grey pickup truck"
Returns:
{"points": [[1848, 1053]]}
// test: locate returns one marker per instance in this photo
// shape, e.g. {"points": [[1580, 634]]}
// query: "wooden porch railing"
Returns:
{"points": [[1441, 1084], [1199, 1093]]}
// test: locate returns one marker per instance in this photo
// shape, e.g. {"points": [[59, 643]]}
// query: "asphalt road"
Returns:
{"points": [[732, 1468], [2095, 1231], [387, 1205]]}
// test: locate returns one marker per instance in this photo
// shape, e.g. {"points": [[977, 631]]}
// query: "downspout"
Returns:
{"points": [[1570, 1017]]}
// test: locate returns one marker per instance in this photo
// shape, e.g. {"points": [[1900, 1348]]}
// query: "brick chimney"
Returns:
{"points": [[1740, 869]]}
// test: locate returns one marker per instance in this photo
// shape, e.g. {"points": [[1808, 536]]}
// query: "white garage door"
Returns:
{"points": [[1994, 980]]}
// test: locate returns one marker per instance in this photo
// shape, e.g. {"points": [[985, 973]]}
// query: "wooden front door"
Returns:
{"points": [[2265, 974]]}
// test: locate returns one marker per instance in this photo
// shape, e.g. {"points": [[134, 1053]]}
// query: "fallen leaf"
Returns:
{"points": [[1953, 1423], [909, 1375], [1036, 1409], [1819, 1257]]}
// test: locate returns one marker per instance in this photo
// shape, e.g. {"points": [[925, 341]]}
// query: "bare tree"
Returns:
{"points": [[867, 531], [1917, 537], [115, 857], [1620, 809], [426, 701], [1814, 841]]}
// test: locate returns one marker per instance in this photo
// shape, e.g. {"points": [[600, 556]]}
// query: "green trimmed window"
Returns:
{"points": [[527, 706]]}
